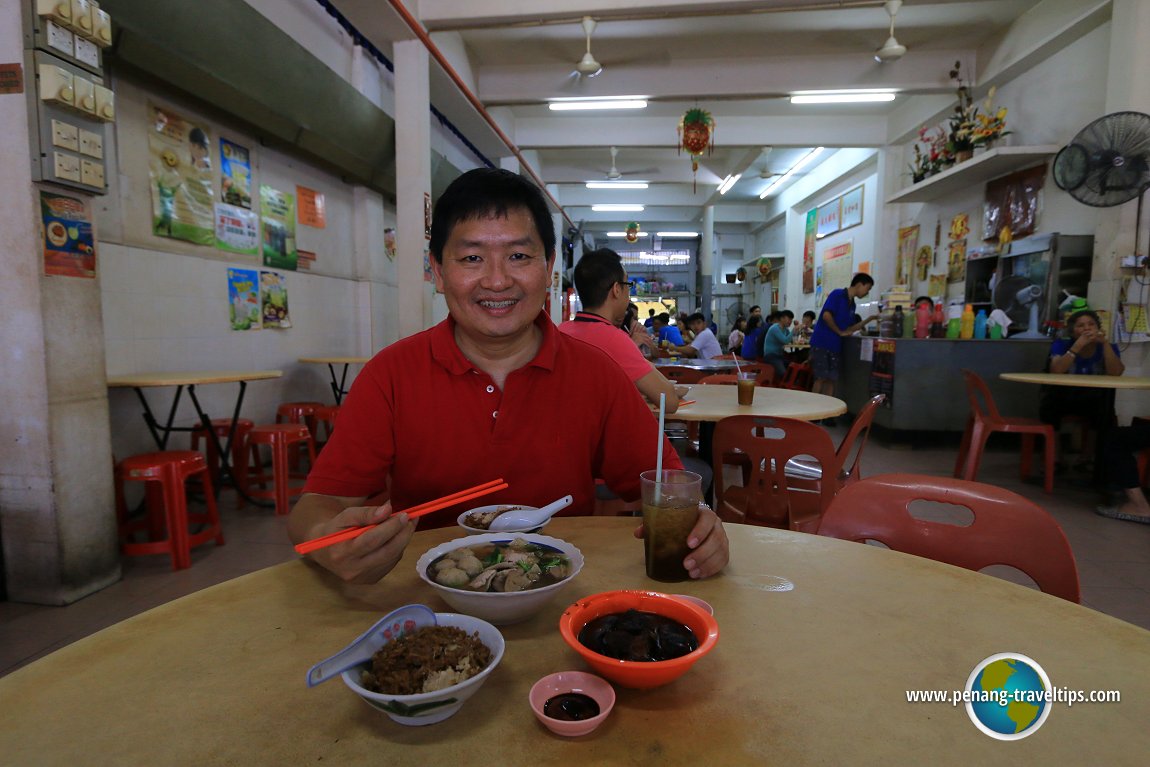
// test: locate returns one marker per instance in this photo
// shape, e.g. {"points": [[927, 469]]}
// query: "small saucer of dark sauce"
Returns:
{"points": [[571, 707]]}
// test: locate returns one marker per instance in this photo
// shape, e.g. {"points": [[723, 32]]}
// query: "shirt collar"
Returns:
{"points": [[590, 317], [446, 352]]}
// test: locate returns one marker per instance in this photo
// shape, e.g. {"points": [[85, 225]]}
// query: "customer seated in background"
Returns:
{"points": [[1086, 352], [1122, 469], [638, 333], [924, 300], [684, 327], [602, 285], [803, 332], [665, 331], [735, 339], [472, 398], [778, 336], [752, 339], [704, 345]]}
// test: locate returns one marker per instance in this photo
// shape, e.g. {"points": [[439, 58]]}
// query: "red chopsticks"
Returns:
{"points": [[415, 511]]}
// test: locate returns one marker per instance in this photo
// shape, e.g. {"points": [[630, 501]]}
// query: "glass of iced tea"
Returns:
{"points": [[670, 510], [746, 384]]}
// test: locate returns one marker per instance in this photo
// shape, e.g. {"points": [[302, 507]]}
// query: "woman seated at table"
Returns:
{"points": [[638, 332], [735, 339], [1086, 352], [778, 336]]}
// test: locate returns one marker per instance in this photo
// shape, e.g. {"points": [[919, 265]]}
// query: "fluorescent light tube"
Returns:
{"points": [[568, 106], [620, 208], [676, 234], [624, 234], [616, 184], [795, 169], [841, 97], [729, 182]]}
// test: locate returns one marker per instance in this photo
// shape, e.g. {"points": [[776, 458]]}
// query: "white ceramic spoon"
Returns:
{"points": [[527, 519], [398, 622]]}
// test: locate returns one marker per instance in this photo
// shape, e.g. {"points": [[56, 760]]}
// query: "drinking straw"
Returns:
{"points": [[659, 446], [414, 512]]}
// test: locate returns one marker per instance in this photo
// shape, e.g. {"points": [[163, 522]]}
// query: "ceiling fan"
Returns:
{"points": [[614, 174], [891, 50], [588, 66]]}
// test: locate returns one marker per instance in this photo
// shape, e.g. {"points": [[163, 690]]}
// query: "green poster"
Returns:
{"points": [[277, 209]]}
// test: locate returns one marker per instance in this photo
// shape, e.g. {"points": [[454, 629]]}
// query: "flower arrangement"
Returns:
{"points": [[990, 124], [963, 121], [934, 157]]}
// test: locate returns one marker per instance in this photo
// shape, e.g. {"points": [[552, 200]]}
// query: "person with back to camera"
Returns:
{"points": [[638, 333], [1086, 352], [776, 339], [483, 389], [752, 338], [666, 333], [704, 345], [735, 339], [602, 285], [836, 319]]}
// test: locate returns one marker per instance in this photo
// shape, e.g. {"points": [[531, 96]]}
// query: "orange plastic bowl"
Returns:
{"points": [[635, 674]]}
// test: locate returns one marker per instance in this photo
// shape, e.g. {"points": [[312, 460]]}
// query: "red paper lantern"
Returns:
{"points": [[696, 135]]}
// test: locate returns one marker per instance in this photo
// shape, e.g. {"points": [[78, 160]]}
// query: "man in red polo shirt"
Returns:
{"points": [[604, 290], [493, 391]]}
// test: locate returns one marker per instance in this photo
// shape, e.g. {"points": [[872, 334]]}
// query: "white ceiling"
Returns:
{"points": [[739, 60]]}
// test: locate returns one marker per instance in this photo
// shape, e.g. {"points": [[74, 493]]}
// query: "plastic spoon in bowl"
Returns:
{"points": [[398, 622], [527, 519]]}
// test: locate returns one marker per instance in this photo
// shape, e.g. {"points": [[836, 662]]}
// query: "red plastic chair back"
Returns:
{"points": [[682, 374], [764, 498], [851, 448], [981, 400], [1007, 529], [721, 378], [798, 377]]}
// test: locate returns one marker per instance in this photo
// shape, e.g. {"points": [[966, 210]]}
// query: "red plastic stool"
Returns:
{"points": [[280, 437], [222, 428], [299, 412], [164, 475]]}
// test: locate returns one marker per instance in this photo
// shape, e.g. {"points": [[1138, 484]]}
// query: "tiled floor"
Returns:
{"points": [[1113, 557]]}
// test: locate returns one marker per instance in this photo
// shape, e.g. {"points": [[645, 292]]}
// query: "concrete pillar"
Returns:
{"points": [[413, 182], [707, 261], [57, 518]]}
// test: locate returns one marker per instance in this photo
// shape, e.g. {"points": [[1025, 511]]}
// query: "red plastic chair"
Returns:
{"points": [[765, 498], [1007, 529], [684, 375], [798, 377], [985, 419], [284, 439], [721, 378], [848, 457]]}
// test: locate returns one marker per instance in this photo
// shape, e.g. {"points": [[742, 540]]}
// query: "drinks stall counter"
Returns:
{"points": [[923, 378]]}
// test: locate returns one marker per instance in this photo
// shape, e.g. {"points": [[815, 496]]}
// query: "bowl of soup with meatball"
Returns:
{"points": [[500, 577]]}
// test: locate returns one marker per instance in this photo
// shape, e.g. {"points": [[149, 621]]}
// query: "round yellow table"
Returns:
{"points": [[820, 640], [713, 402]]}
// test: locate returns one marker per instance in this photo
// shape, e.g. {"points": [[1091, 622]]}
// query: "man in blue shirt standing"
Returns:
{"points": [[835, 321]]}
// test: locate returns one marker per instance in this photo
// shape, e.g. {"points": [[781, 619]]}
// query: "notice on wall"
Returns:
{"points": [[810, 239], [852, 208], [180, 176], [237, 229], [66, 231], [305, 259], [278, 212], [244, 299], [274, 300], [907, 244], [882, 371], [389, 243], [311, 207], [838, 266], [235, 174], [829, 217], [956, 262]]}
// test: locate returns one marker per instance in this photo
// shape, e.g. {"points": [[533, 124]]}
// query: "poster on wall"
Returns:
{"points": [[838, 266], [237, 229], [180, 176], [960, 226], [923, 261], [243, 299], [278, 212], [235, 174], [818, 286], [274, 300], [956, 262], [852, 208], [312, 210], [305, 259], [936, 287], [907, 245], [389, 243], [66, 231], [829, 217], [809, 240]]}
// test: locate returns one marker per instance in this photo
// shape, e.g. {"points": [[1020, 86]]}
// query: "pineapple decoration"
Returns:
{"points": [[631, 232], [696, 135]]}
